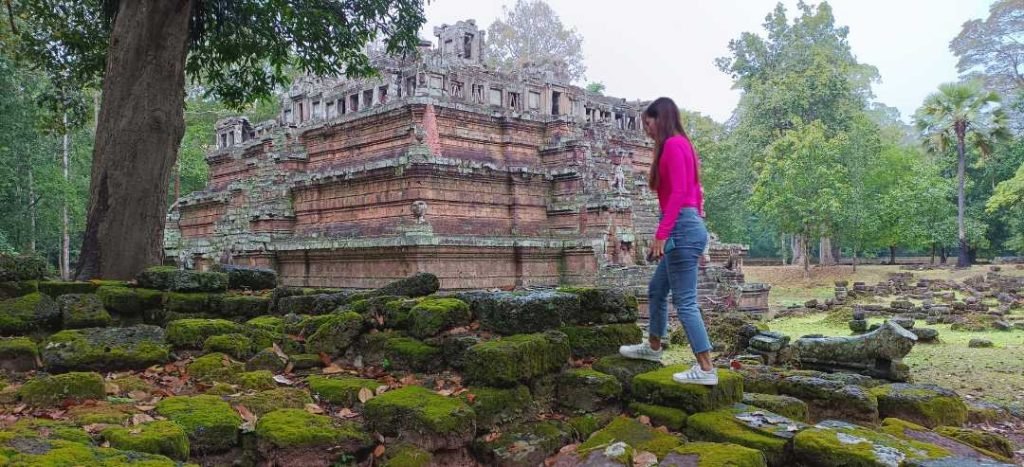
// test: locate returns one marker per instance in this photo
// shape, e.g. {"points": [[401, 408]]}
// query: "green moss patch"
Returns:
{"points": [[129, 301], [193, 304], [510, 360], [433, 315], [245, 306], [47, 390], [602, 306], [267, 359], [267, 401], [704, 454], [28, 313], [596, 341], [293, 428], [657, 387], [57, 288], [273, 324], [15, 289], [406, 353], [18, 354], [210, 423], [832, 399], [82, 311], [526, 444], [341, 391], [924, 404], [786, 406], [625, 369], [192, 333], [990, 443], [159, 437], [422, 417], [417, 285], [336, 334], [524, 312], [587, 390], [236, 345], [215, 367], [499, 406], [674, 419], [170, 278], [106, 349], [258, 380], [747, 426], [838, 443], [637, 435], [102, 412], [25, 267], [406, 455]]}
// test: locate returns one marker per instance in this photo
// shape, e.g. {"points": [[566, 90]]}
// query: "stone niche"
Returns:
{"points": [[438, 164]]}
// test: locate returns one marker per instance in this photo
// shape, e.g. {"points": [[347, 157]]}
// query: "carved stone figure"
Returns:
{"points": [[419, 209], [620, 181], [878, 354]]}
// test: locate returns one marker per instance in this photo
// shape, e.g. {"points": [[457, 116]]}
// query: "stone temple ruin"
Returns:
{"points": [[440, 165]]}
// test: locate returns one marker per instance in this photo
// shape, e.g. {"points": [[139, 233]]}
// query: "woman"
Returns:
{"points": [[675, 176]]}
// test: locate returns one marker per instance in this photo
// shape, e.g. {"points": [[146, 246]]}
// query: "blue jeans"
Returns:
{"points": [[677, 273]]}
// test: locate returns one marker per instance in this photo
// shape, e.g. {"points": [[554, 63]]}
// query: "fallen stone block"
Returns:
{"points": [[44, 390], [925, 404], [526, 445], [28, 313], [602, 306], [170, 278], [18, 354], [786, 406], [832, 399], [105, 349], [210, 423], [82, 311], [524, 312], [159, 437], [658, 387], [495, 407], [192, 333], [297, 437], [600, 340], [507, 361], [747, 426], [635, 435], [248, 278], [422, 417], [624, 368], [878, 353], [704, 454], [587, 390]]}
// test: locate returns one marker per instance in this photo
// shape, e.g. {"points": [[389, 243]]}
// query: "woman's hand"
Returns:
{"points": [[657, 249]]}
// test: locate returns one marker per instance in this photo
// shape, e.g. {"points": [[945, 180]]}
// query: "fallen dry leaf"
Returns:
{"points": [[280, 353], [492, 436], [379, 450], [380, 389], [446, 392], [325, 359], [346, 413], [331, 369], [365, 395], [645, 459], [471, 398], [141, 418], [569, 448], [282, 379], [246, 414], [106, 444], [314, 409], [94, 428], [138, 395], [288, 368], [19, 408], [145, 408], [644, 419], [111, 388]]}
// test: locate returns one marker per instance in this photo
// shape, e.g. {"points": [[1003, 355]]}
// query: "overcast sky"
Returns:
{"points": [[642, 49]]}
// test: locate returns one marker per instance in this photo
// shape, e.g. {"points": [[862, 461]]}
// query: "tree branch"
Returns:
{"points": [[10, 16]]}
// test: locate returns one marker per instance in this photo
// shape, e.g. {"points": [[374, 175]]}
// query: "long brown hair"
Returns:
{"points": [[665, 117]]}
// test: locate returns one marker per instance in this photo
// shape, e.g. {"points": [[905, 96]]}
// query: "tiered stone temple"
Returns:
{"points": [[440, 165]]}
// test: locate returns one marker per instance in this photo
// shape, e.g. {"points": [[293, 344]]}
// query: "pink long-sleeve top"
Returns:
{"points": [[678, 183]]}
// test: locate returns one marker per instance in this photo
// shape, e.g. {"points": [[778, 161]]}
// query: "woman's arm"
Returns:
{"points": [[677, 162]]}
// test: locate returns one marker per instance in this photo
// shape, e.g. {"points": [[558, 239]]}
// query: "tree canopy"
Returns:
{"points": [[532, 33]]}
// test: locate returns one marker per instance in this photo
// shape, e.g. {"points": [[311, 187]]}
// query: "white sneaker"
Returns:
{"points": [[695, 375], [641, 351]]}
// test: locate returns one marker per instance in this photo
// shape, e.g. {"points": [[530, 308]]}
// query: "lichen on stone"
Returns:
{"points": [[192, 333], [635, 434], [422, 416], [106, 349], [433, 315], [506, 361], [336, 333]]}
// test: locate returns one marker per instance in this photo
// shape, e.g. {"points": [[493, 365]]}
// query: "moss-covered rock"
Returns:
{"points": [[587, 390], [215, 367], [45, 390], [264, 402], [924, 404], [258, 380], [422, 417], [297, 437], [159, 437], [274, 324], [988, 442], [674, 419], [524, 312], [15, 289], [101, 413], [510, 360], [57, 288], [82, 311], [244, 306], [525, 445], [236, 345], [311, 304], [603, 305], [587, 424], [832, 443], [23, 267], [406, 455], [210, 423], [625, 369], [28, 313], [832, 399], [418, 285], [657, 387], [638, 436], [433, 315], [786, 406], [499, 406], [18, 354], [267, 359], [406, 353], [396, 312], [305, 361], [170, 278], [596, 341], [193, 304], [336, 333], [192, 333], [747, 426], [105, 349], [248, 278], [303, 325], [67, 453], [340, 390], [704, 454], [129, 301]]}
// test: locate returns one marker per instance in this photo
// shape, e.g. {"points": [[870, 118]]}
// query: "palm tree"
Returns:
{"points": [[962, 114]]}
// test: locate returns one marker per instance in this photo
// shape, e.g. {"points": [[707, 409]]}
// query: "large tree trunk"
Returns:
{"points": [[65, 237], [799, 247], [932, 261], [962, 261], [892, 255], [31, 212], [785, 249], [943, 257], [825, 257], [138, 133], [854, 259]]}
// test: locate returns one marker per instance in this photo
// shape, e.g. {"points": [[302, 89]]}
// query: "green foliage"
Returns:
{"points": [[532, 33]]}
